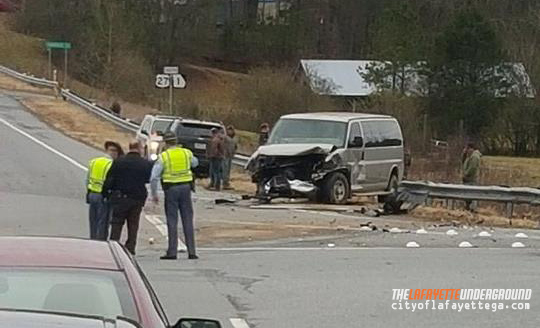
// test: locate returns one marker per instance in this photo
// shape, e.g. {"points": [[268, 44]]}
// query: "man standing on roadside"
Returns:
{"points": [[264, 133], [173, 168], [216, 153], [99, 210], [230, 150], [125, 188], [471, 168]]}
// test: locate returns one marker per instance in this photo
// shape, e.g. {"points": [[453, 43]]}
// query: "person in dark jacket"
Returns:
{"points": [[215, 154], [230, 150], [264, 132], [125, 187]]}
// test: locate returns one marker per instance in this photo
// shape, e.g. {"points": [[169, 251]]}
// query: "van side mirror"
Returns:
{"points": [[144, 132], [197, 323], [357, 142]]}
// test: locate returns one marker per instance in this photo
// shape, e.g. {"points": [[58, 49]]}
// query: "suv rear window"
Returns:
{"points": [[194, 130], [160, 126]]}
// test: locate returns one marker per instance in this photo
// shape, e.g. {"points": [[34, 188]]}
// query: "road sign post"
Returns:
{"points": [[59, 45], [170, 79]]}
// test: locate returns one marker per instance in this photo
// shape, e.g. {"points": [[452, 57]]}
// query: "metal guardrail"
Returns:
{"points": [[423, 192], [240, 160], [109, 116], [28, 78]]}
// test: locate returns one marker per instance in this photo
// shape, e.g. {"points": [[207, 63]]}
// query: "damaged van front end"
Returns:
{"points": [[293, 170]]}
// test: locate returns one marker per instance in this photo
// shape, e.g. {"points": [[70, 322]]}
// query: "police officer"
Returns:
{"points": [[97, 172], [173, 168]]}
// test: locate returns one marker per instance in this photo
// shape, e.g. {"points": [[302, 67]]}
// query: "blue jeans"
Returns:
{"points": [[99, 213], [227, 164], [216, 172], [178, 198]]}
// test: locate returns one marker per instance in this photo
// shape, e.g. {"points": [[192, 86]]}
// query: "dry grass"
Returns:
{"points": [[511, 171], [482, 217], [9, 83], [440, 166], [76, 122]]}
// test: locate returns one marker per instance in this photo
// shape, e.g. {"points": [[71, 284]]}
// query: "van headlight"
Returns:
{"points": [[154, 157]]}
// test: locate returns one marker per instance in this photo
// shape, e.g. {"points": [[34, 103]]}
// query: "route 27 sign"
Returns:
{"points": [[164, 81]]}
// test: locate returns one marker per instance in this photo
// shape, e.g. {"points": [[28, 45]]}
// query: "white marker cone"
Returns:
{"points": [[521, 235], [421, 231], [517, 244], [452, 232], [331, 245], [364, 228], [484, 234], [465, 244], [412, 244], [395, 230]]}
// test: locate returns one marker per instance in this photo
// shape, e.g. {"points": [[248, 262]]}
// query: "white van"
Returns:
{"points": [[329, 156]]}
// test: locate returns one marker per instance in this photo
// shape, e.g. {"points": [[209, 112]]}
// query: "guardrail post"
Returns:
{"points": [[509, 210]]}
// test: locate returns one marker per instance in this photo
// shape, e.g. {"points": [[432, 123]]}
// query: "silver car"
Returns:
{"points": [[329, 156]]}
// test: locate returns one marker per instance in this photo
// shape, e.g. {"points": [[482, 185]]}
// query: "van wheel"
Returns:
{"points": [[335, 189], [392, 187]]}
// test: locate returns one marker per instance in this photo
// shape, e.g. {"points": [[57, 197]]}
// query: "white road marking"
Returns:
{"points": [[44, 145], [162, 228], [328, 249], [239, 323], [152, 219]]}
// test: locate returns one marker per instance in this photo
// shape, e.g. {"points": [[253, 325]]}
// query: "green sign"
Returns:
{"points": [[58, 45]]}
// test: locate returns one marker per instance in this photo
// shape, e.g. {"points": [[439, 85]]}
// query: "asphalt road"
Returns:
{"points": [[343, 279]]}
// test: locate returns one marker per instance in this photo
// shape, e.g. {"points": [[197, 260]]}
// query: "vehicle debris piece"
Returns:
{"points": [[224, 201]]}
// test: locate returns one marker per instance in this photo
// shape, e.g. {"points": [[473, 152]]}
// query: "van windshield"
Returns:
{"points": [[288, 131]]}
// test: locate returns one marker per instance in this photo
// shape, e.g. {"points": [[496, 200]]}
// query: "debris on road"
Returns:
{"points": [[220, 201]]}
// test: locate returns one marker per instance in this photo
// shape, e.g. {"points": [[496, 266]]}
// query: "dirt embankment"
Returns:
{"points": [[76, 122]]}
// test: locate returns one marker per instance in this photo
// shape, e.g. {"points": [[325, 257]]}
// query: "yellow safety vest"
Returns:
{"points": [[97, 172], [176, 165]]}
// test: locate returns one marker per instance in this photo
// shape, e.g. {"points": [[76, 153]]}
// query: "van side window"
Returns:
{"points": [[381, 133], [355, 132]]}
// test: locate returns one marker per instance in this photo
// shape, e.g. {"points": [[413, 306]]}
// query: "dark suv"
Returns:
{"points": [[195, 136]]}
